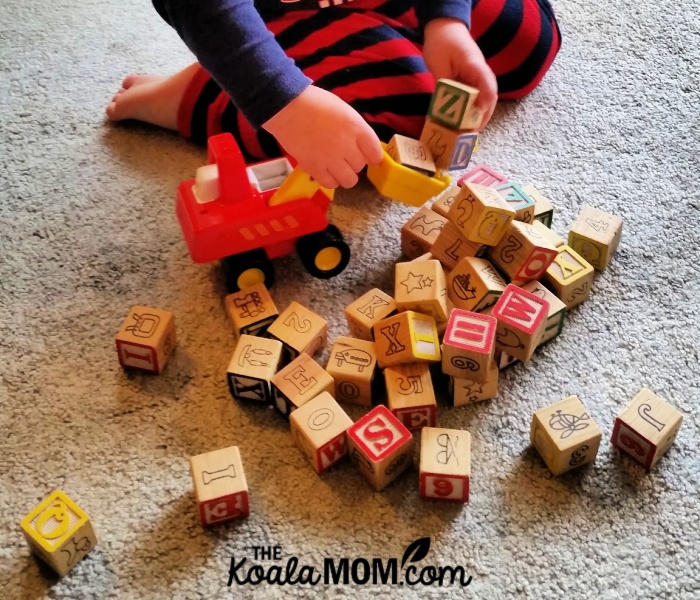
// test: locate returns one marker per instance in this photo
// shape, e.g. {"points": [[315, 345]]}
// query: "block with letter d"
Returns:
{"points": [[469, 344], [253, 365], [405, 338], [445, 464], [522, 318], [300, 381], [450, 148]]}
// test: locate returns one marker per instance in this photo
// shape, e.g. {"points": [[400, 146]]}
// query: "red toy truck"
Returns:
{"points": [[247, 215]]}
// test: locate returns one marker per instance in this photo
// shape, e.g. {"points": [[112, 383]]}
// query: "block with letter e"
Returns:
{"points": [[253, 365], [445, 464], [298, 382], [522, 318], [556, 314], [146, 339], [220, 485], [405, 338], [410, 395], [468, 345], [251, 310], [381, 447]]}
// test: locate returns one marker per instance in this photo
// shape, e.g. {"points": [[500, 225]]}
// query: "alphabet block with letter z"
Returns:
{"points": [[300, 330], [253, 365], [146, 339], [522, 318], [445, 464], [453, 105]]}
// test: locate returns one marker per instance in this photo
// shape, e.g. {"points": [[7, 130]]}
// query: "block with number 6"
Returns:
{"points": [[445, 464]]}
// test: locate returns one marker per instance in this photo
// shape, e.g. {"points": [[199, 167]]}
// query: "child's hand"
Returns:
{"points": [[450, 52], [328, 138]]}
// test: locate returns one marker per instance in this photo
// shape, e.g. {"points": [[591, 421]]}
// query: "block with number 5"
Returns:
{"points": [[445, 464]]}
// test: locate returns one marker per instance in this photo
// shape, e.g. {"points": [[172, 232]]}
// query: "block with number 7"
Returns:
{"points": [[445, 464]]}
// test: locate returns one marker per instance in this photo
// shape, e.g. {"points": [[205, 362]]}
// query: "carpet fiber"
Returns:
{"points": [[87, 229]]}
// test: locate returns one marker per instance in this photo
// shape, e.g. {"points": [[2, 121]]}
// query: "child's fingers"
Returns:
{"points": [[325, 179], [370, 146], [344, 174], [356, 159]]}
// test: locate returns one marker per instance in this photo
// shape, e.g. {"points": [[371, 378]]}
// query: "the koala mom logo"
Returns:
{"points": [[345, 571]]}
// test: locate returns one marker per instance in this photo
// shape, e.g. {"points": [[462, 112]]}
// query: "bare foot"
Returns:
{"points": [[154, 99]]}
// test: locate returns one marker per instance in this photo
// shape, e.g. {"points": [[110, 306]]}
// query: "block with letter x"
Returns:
{"points": [[405, 338], [469, 344], [445, 464], [522, 318]]}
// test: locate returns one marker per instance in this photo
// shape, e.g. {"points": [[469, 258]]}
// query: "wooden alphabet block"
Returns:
{"points": [[410, 395], [556, 314], [380, 446], [451, 246], [523, 254], [646, 428], [466, 391], [319, 428], [366, 311], [251, 310], [405, 338], [300, 381], [504, 360], [300, 330], [474, 284], [421, 287], [442, 205], [445, 464], [59, 532], [469, 344], [353, 365], [482, 175], [220, 485], [569, 276], [422, 257], [548, 233], [411, 153], [146, 339], [519, 201], [565, 435], [450, 148], [420, 232], [522, 318], [253, 365], [453, 105], [481, 214], [595, 235], [543, 207]]}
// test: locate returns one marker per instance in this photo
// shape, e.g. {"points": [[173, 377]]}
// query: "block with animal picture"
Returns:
{"points": [[445, 464], [522, 318], [421, 286], [556, 314], [451, 246], [300, 330], [59, 532], [411, 153], [410, 395], [370, 308], [319, 429], [565, 435], [450, 148], [146, 339], [454, 105], [595, 235], [481, 214], [519, 201], [474, 284], [646, 428], [544, 211], [444, 201], [405, 338], [569, 276], [254, 363], [380, 446], [353, 365], [298, 382], [482, 175], [523, 254], [467, 391], [468, 345], [420, 232], [251, 311], [220, 485]]}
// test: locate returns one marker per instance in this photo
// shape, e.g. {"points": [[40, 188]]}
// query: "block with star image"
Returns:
{"points": [[474, 284], [421, 286], [467, 391]]}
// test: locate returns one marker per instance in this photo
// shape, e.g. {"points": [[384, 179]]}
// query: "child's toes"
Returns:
{"points": [[129, 80]]}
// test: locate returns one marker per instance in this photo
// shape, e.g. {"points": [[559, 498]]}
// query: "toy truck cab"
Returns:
{"points": [[247, 215]]}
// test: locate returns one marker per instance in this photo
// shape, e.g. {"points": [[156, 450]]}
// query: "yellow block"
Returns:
{"points": [[53, 521], [424, 336], [297, 185]]}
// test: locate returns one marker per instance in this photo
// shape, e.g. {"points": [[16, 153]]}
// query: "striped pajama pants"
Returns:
{"points": [[368, 53]]}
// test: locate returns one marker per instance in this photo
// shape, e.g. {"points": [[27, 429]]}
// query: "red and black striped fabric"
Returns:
{"points": [[368, 53]]}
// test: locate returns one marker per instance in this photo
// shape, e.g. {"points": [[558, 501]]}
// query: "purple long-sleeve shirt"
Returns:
{"points": [[230, 40]]}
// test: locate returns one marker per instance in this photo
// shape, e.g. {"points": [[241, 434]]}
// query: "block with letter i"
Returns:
{"points": [[146, 339], [646, 428], [411, 153], [466, 391], [220, 485], [481, 214], [319, 429], [420, 232], [474, 284], [565, 435], [380, 446], [59, 532], [300, 330], [569, 276], [368, 309], [522, 318], [298, 382], [421, 286], [251, 310], [405, 338], [468, 345], [253, 365], [445, 464], [410, 395], [453, 105], [595, 235], [353, 365], [450, 148]]}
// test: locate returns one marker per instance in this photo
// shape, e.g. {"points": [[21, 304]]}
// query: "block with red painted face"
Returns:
{"points": [[468, 345], [445, 464], [522, 318]]}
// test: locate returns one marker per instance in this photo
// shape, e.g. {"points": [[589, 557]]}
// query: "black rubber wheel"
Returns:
{"points": [[246, 269], [324, 254]]}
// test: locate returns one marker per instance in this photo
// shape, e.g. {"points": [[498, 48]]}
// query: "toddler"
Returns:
{"points": [[325, 80]]}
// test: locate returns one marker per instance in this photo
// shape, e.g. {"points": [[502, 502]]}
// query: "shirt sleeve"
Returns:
{"points": [[230, 40], [428, 10]]}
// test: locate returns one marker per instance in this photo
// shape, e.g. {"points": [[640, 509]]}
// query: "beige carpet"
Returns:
{"points": [[87, 229]]}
